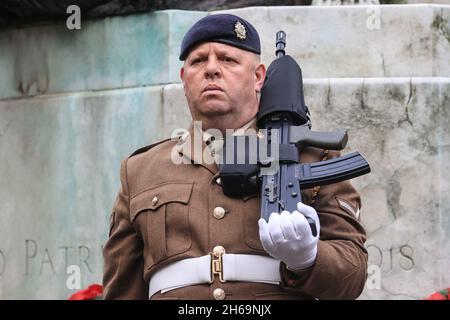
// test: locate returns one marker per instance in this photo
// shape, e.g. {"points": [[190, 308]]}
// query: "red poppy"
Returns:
{"points": [[440, 295], [90, 293]]}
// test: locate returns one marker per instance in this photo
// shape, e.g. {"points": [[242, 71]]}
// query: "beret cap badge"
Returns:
{"points": [[240, 30]]}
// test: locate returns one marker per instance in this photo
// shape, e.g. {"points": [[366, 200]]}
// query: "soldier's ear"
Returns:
{"points": [[182, 79], [182, 74], [260, 75]]}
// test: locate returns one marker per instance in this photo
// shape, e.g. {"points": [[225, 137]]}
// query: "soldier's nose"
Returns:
{"points": [[212, 69]]}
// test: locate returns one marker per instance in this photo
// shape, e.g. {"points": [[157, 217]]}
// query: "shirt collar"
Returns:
{"points": [[215, 143], [238, 132]]}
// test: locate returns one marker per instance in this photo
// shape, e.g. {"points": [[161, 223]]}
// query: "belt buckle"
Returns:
{"points": [[217, 267]]}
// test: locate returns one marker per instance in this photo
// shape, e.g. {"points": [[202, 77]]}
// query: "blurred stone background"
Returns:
{"points": [[73, 103]]}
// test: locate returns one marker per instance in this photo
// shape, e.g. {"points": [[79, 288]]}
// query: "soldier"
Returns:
{"points": [[175, 235]]}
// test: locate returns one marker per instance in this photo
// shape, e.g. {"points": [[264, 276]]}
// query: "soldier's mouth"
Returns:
{"points": [[212, 87]]}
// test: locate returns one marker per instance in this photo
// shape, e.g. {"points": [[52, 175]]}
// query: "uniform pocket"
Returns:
{"points": [[161, 214]]}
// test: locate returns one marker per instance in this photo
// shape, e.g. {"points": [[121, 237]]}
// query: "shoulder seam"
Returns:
{"points": [[148, 147]]}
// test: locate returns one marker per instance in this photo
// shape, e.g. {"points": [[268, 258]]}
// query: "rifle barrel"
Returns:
{"points": [[280, 43]]}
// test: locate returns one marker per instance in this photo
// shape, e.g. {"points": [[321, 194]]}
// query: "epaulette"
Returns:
{"points": [[144, 149]]}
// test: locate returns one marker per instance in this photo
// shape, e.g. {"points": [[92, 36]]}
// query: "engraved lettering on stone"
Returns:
{"points": [[406, 261], [28, 245], [378, 253], [392, 258], [47, 260], [85, 260], [66, 255]]}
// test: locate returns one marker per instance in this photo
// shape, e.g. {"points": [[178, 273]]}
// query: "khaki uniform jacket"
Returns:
{"points": [[164, 213]]}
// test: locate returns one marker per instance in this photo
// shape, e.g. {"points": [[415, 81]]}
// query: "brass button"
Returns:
{"points": [[154, 200], [218, 181], [218, 250], [219, 294], [219, 212]]}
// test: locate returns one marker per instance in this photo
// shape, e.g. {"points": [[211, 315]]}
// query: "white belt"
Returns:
{"points": [[229, 267]]}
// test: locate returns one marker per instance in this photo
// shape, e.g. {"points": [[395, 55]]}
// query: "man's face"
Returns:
{"points": [[222, 82]]}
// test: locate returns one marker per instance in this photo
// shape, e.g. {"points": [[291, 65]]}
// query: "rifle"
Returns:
{"points": [[284, 120]]}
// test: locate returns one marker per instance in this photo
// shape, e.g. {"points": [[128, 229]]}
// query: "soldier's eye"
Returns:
{"points": [[228, 59], [195, 61]]}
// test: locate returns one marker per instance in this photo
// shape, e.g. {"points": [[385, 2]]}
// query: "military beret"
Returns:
{"points": [[223, 28]]}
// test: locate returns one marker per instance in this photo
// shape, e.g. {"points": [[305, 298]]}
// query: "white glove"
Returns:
{"points": [[288, 237]]}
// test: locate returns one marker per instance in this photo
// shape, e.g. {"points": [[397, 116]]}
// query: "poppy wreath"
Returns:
{"points": [[440, 295], [92, 292]]}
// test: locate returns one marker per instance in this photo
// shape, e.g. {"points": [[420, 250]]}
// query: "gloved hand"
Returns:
{"points": [[288, 237]]}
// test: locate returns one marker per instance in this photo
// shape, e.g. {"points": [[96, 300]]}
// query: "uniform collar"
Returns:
{"points": [[191, 146], [200, 147], [246, 128], [208, 137]]}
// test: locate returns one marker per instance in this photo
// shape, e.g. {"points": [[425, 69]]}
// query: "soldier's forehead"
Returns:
{"points": [[216, 47]]}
